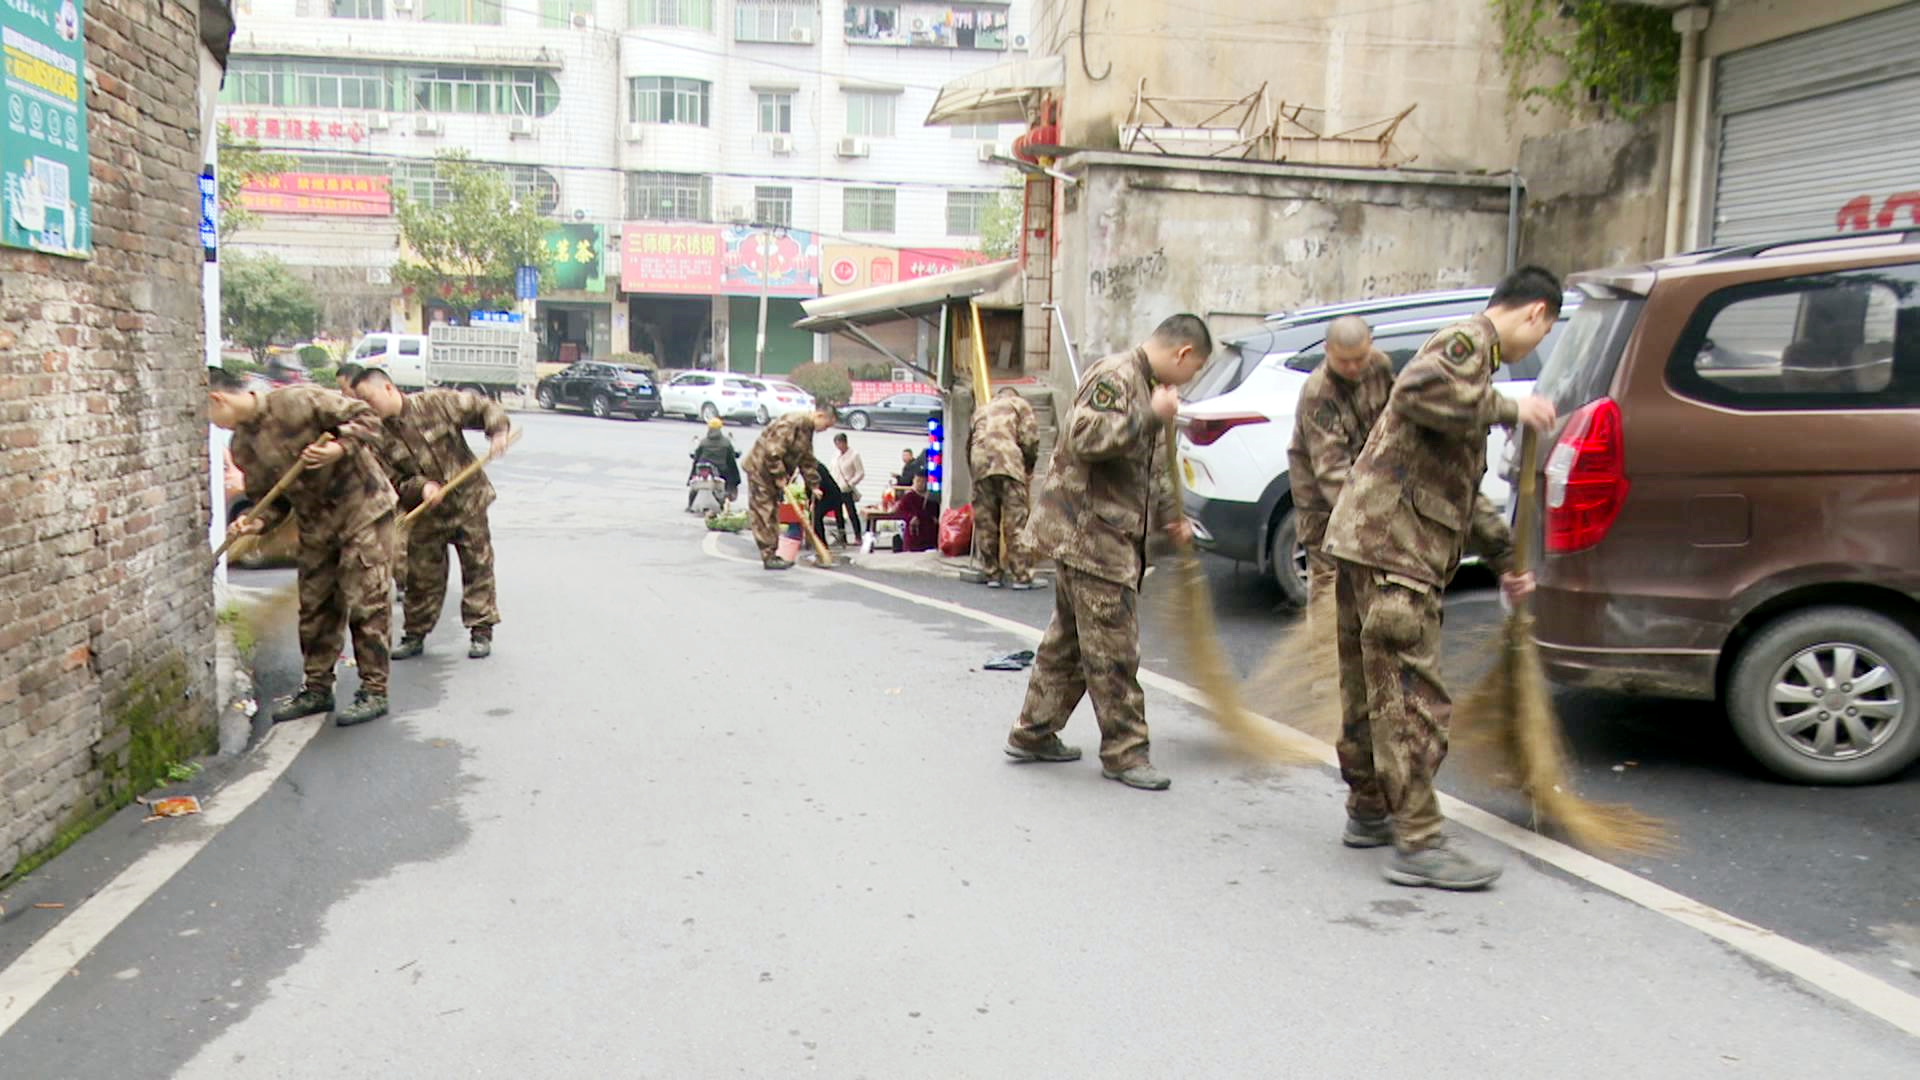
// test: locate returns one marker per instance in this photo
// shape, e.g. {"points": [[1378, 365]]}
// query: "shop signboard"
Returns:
{"points": [[851, 267], [43, 153], [577, 252], [718, 260], [319, 193]]}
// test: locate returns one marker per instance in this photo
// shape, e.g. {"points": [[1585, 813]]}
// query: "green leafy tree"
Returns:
{"points": [[465, 250], [241, 163], [1618, 58], [1001, 222], [262, 303], [827, 382]]}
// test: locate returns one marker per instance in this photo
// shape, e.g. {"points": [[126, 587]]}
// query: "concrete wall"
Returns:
{"points": [[106, 610], [1597, 195], [1146, 237]]}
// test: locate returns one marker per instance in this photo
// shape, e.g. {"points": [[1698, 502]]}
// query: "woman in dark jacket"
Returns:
{"points": [[717, 450]]}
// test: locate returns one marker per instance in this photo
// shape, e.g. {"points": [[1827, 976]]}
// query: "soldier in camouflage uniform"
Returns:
{"points": [[1107, 482], [345, 510], [1411, 508], [783, 448], [1338, 405], [424, 448], [1002, 447]]}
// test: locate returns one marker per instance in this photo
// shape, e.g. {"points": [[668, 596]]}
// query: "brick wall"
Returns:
{"points": [[106, 611]]}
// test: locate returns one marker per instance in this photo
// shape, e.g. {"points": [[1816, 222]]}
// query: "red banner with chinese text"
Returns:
{"points": [[319, 193]]}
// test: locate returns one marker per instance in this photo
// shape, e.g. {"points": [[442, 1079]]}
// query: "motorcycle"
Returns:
{"points": [[706, 489]]}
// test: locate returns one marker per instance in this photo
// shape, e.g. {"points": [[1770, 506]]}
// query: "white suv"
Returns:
{"points": [[1233, 448], [779, 397], [703, 395]]}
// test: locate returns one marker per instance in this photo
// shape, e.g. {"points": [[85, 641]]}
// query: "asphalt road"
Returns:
{"points": [[694, 819]]}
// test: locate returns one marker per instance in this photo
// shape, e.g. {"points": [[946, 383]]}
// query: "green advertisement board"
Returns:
{"points": [[578, 257], [49, 201]]}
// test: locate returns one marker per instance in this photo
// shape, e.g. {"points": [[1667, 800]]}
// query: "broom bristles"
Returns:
{"points": [[1511, 731], [1210, 671], [1298, 681]]}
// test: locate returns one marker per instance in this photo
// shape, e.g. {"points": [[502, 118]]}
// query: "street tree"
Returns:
{"points": [[261, 302], [465, 249], [242, 162], [1000, 223]]}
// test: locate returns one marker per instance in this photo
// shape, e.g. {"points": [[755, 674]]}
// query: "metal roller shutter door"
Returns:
{"points": [[1811, 126]]}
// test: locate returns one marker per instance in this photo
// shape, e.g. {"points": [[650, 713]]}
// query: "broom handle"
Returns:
{"points": [[1174, 486], [466, 473], [1527, 513], [278, 489], [801, 511]]}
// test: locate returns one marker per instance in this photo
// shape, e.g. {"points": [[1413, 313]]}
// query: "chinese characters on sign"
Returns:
{"points": [[576, 251], [43, 153], [850, 267], [706, 260], [294, 129], [319, 193]]}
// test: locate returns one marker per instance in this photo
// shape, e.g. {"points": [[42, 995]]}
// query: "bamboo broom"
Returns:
{"points": [[278, 489], [1509, 728], [1207, 665], [821, 556], [466, 473]]}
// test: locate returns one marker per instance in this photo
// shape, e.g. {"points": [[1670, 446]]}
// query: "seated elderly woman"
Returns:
{"points": [[921, 513]]}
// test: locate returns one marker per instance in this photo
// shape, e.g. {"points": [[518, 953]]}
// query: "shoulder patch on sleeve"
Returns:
{"points": [[1106, 396], [1460, 347]]}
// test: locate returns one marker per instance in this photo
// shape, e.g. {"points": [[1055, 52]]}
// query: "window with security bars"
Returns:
{"points": [[965, 210], [357, 9], [478, 91], [981, 132], [474, 12], [563, 12], [688, 14], [663, 99], [793, 21], [773, 206], [666, 196], [484, 91], [422, 182], [868, 210], [870, 114], [776, 113]]}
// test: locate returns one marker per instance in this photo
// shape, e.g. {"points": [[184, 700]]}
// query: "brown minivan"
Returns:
{"points": [[1732, 499]]}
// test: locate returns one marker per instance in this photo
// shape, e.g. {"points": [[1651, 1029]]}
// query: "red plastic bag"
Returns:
{"points": [[956, 531]]}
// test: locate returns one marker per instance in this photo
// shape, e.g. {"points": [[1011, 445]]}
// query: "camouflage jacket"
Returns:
{"points": [[784, 448], [425, 444], [1108, 480], [1412, 506], [332, 502], [1330, 428], [1004, 439]]}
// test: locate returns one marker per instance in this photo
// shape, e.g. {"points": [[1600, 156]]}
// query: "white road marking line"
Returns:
{"points": [[38, 970], [1844, 981]]}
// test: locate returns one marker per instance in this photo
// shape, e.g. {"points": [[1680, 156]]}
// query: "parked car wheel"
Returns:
{"points": [[708, 412], [763, 416], [602, 408], [1826, 696], [858, 421], [545, 397], [1288, 559]]}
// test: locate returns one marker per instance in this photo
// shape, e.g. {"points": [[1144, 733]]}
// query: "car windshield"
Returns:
{"points": [[1580, 367]]}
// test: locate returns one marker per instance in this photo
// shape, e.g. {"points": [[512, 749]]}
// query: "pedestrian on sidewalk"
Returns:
{"points": [[828, 499], [344, 508], [1003, 444], [850, 471], [784, 447], [1107, 482], [423, 448], [1410, 508]]}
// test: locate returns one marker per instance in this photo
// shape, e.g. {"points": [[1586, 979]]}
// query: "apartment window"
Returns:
{"points": [[774, 20], [773, 205], [951, 28], [562, 12], [980, 132], [965, 209], [776, 113], [869, 210], [691, 14], [665, 196], [358, 9], [870, 114], [310, 84], [484, 91], [477, 12], [423, 183], [657, 99], [875, 22]]}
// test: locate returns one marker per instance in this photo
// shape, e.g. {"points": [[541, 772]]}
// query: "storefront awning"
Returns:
{"points": [[997, 95], [996, 284]]}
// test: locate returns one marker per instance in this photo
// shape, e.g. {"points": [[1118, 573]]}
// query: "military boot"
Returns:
{"points": [[307, 702], [1051, 750], [775, 562], [1440, 867], [1367, 832], [365, 707], [481, 646], [410, 646], [1144, 777]]}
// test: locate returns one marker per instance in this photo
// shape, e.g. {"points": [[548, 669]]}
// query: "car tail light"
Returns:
{"points": [[1586, 478], [1206, 430]]}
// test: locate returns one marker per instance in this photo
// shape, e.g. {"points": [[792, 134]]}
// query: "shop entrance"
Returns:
{"points": [[677, 331]]}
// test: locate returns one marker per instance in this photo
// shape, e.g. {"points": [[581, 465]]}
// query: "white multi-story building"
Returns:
{"points": [[697, 133]]}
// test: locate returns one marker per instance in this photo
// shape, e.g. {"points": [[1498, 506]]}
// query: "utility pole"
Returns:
{"points": [[762, 241]]}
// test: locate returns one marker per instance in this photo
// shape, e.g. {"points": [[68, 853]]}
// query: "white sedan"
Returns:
{"points": [[704, 395]]}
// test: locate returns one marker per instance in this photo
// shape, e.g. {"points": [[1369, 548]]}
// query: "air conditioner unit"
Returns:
{"points": [[780, 144], [582, 21], [377, 121], [428, 125], [989, 151], [851, 147], [403, 6], [738, 215], [800, 35], [520, 127], [1019, 41], [636, 133]]}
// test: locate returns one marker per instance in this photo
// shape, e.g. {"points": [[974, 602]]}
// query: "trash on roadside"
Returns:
{"points": [[172, 806], [1013, 661], [50, 907]]}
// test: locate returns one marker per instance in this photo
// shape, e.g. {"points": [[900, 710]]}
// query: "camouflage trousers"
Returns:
{"points": [[427, 574], [1322, 571], [346, 583], [1000, 506], [1092, 648], [763, 512], [1394, 709]]}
